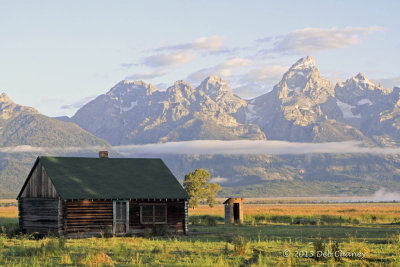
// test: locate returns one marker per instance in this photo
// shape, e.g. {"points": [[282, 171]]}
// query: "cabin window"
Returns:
{"points": [[153, 213]]}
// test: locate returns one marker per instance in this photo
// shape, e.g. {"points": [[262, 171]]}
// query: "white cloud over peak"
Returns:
{"points": [[80, 103], [211, 43], [224, 69], [168, 59], [258, 80], [270, 74], [311, 40], [390, 82], [146, 75]]}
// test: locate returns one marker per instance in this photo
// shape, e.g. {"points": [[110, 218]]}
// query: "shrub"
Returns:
{"points": [[335, 247], [99, 259], [306, 221], [148, 233], [240, 245], [106, 232], [205, 220], [10, 230], [160, 230], [319, 246]]}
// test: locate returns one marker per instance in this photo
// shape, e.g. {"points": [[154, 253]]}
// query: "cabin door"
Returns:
{"points": [[121, 217]]}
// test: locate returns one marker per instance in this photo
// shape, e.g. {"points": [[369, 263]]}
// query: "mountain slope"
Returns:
{"points": [[24, 126]]}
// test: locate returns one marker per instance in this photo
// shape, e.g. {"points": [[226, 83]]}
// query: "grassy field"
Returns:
{"points": [[272, 235]]}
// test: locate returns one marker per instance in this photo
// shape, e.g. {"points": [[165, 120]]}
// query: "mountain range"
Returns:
{"points": [[302, 107]]}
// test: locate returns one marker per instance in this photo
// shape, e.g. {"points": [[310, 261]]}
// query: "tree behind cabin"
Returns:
{"points": [[197, 186]]}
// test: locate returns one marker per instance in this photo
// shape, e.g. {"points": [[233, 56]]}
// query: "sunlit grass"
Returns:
{"points": [[268, 231], [363, 212]]}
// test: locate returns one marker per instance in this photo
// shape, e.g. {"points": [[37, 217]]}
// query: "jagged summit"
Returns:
{"points": [[126, 86], [304, 63], [359, 83], [6, 104], [4, 98], [182, 83], [303, 77], [213, 78], [214, 84], [361, 76], [363, 79]]}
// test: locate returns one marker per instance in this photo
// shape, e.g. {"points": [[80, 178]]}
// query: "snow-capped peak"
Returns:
{"points": [[304, 63]]}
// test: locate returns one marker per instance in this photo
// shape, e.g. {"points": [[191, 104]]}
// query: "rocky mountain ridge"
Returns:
{"points": [[302, 107], [136, 112]]}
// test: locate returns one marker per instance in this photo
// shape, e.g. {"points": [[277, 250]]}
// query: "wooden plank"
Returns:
{"points": [[37, 214]]}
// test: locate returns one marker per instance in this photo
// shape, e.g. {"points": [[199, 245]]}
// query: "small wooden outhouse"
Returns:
{"points": [[82, 197], [233, 210]]}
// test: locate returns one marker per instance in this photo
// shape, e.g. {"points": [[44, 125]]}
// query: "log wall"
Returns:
{"points": [[87, 218], [38, 215], [39, 184]]}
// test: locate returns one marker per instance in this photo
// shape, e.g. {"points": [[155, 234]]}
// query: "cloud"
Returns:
{"points": [[219, 180], [270, 74], [128, 65], [383, 195], [211, 43], [258, 80], [79, 103], [146, 75], [390, 82], [58, 150], [168, 59], [52, 99], [224, 69], [251, 90], [207, 147], [311, 40], [211, 147]]}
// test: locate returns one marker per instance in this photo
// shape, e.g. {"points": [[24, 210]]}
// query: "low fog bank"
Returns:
{"points": [[212, 147], [382, 195]]}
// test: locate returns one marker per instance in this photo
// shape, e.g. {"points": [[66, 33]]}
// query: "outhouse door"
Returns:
{"points": [[121, 217], [236, 212]]}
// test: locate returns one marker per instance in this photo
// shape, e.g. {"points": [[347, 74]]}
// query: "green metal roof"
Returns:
{"points": [[112, 178]]}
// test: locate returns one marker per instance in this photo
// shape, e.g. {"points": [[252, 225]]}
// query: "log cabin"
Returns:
{"points": [[84, 197]]}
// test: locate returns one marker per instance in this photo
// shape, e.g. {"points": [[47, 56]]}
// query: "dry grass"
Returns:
{"points": [[14, 201], [352, 210], [9, 212]]}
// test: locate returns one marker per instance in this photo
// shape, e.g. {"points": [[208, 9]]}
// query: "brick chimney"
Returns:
{"points": [[103, 154]]}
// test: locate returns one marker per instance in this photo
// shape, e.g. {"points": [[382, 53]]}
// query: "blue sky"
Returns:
{"points": [[55, 56]]}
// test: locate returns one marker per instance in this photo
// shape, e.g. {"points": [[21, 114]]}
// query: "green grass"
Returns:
{"points": [[261, 241], [220, 245]]}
